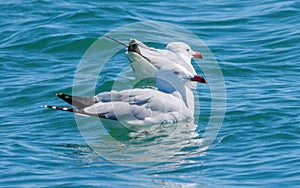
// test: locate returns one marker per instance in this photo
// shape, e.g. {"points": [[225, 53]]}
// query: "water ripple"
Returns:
{"points": [[255, 42]]}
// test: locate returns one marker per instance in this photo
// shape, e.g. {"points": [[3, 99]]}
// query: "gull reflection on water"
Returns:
{"points": [[166, 143]]}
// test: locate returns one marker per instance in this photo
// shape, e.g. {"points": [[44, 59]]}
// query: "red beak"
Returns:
{"points": [[197, 55], [199, 79]]}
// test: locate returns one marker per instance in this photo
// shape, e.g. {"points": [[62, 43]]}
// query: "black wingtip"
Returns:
{"points": [[78, 102], [61, 94], [62, 108], [65, 97]]}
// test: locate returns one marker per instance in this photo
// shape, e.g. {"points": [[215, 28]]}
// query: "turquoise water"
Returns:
{"points": [[255, 42]]}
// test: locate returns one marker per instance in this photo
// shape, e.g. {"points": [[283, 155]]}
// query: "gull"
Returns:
{"points": [[145, 61], [141, 106]]}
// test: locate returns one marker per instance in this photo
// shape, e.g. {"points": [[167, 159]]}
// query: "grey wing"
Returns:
{"points": [[118, 111], [132, 96], [139, 105], [126, 104]]}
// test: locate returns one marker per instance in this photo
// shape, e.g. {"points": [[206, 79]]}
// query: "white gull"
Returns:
{"points": [[151, 59], [145, 61], [168, 104]]}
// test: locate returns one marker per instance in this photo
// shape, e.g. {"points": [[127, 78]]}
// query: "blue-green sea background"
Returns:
{"points": [[255, 42]]}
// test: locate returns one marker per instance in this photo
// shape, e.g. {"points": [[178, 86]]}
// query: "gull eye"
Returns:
{"points": [[187, 50], [176, 72]]}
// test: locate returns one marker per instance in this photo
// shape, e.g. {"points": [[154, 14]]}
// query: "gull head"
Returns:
{"points": [[172, 77], [183, 50]]}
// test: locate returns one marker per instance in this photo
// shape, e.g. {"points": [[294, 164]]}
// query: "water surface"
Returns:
{"points": [[255, 42]]}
